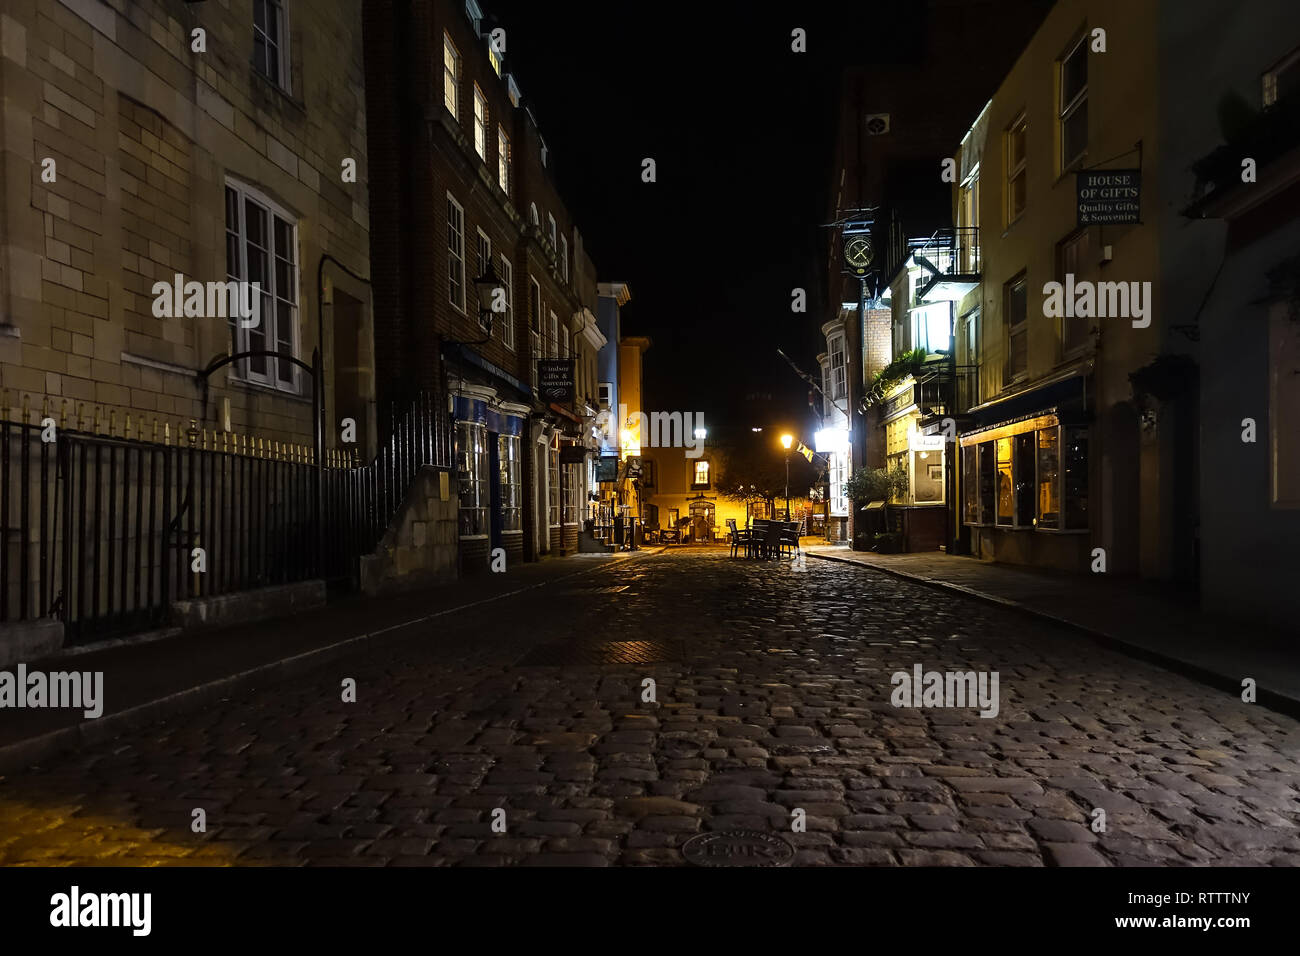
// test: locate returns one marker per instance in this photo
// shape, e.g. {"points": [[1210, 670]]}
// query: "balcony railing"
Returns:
{"points": [[952, 253], [946, 389]]}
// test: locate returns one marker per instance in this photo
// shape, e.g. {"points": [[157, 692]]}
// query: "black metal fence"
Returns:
{"points": [[106, 531]]}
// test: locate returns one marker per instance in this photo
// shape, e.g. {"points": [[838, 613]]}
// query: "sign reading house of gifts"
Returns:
{"points": [[555, 380], [1108, 196]]}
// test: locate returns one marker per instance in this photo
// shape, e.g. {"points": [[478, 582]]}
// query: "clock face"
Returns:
{"points": [[858, 251]]}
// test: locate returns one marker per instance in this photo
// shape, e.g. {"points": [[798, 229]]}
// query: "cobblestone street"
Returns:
{"points": [[773, 693]]}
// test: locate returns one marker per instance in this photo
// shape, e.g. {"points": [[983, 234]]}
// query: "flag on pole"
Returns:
{"points": [[806, 452]]}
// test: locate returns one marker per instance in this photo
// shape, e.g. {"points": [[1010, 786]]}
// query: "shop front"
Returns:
{"points": [[1024, 490], [919, 512], [489, 471]]}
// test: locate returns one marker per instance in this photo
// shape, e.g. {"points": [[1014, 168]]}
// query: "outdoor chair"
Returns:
{"points": [[789, 540], [739, 538]]}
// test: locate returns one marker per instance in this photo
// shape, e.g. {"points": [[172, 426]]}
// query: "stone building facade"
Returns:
{"points": [[144, 140]]}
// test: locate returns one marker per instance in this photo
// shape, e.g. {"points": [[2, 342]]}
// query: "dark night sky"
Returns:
{"points": [[743, 132]]}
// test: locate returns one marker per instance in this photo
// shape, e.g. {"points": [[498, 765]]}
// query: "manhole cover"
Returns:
{"points": [[738, 848]]}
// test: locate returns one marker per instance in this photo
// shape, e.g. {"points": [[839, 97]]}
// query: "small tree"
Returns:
{"points": [[898, 483], [867, 484]]}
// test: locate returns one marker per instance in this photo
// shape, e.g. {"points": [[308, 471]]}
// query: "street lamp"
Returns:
{"points": [[786, 441]]}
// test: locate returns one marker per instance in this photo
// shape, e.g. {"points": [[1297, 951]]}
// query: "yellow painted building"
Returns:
{"points": [[1060, 454]]}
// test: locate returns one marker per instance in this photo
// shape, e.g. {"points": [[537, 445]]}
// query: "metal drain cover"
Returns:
{"points": [[601, 652], [738, 848]]}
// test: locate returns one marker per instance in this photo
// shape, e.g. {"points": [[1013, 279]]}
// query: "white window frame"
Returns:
{"points": [[458, 258], [1065, 111], [535, 340], [564, 257], [510, 481], [838, 371], [1013, 172], [482, 253], [508, 319], [473, 475], [553, 470], [550, 230], [553, 346], [279, 9], [564, 342], [480, 123], [269, 318], [450, 76], [534, 315], [503, 159], [1010, 376]]}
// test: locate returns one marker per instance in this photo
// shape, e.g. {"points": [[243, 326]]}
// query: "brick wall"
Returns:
{"points": [[424, 153], [878, 345]]}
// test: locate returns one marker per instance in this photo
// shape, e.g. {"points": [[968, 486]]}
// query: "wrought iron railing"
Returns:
{"points": [[954, 251], [104, 530]]}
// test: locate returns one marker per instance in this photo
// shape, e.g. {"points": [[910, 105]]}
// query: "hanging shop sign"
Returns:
{"points": [[555, 380], [572, 454], [1108, 197], [607, 468]]}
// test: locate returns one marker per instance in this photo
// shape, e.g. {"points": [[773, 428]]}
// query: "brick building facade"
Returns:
{"points": [[468, 184]]}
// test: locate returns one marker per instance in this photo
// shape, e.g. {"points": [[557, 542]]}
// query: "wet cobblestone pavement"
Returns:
{"points": [[772, 694]]}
